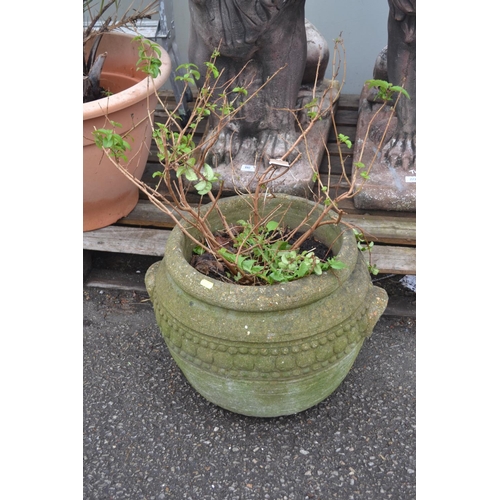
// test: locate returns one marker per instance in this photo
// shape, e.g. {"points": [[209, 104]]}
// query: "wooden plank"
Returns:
{"points": [[349, 101], [349, 130], [127, 240], [346, 117], [146, 214], [389, 259], [380, 229], [346, 101], [395, 260]]}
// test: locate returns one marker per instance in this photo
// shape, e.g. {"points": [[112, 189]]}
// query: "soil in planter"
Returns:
{"points": [[207, 264]]}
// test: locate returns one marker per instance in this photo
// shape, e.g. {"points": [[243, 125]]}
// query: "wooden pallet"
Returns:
{"points": [[145, 230]]}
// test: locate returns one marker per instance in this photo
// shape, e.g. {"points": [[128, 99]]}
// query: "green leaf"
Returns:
{"points": [[304, 269], [211, 66], [229, 256], [397, 88], [271, 226], [345, 139], [240, 90], [190, 175], [207, 171], [377, 83], [336, 264], [318, 270], [203, 187]]}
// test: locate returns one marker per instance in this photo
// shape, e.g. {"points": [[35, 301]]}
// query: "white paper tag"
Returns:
{"points": [[279, 163], [248, 168], [206, 284], [411, 178]]}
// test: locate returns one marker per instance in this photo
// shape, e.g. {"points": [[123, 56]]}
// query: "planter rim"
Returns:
{"points": [[133, 94], [259, 298]]}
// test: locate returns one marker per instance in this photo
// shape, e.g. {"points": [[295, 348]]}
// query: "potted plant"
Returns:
{"points": [[258, 323], [122, 73]]}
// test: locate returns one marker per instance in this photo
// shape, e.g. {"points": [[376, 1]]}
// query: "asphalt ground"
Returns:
{"points": [[148, 435]]}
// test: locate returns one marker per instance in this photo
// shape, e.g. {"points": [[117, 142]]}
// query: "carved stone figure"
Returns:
{"points": [[392, 183], [401, 70], [265, 35]]}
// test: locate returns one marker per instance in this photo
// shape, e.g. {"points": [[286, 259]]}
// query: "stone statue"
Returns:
{"points": [[400, 151], [265, 35], [392, 183]]}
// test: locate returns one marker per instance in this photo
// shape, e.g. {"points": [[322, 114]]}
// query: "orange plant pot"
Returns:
{"points": [[107, 194]]}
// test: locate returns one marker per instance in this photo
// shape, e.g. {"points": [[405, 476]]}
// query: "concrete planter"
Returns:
{"points": [[107, 194], [270, 350]]}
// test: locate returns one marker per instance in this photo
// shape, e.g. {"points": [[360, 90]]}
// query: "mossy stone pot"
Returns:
{"points": [[271, 350]]}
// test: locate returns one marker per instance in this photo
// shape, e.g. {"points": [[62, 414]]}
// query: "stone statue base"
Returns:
{"points": [[242, 176], [389, 187]]}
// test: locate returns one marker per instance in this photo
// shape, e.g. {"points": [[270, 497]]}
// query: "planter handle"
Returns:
{"points": [[150, 277], [378, 302]]}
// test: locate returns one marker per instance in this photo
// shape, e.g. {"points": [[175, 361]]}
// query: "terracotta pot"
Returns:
{"points": [[268, 350], [107, 194]]}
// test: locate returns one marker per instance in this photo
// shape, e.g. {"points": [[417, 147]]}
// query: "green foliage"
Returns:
{"points": [[386, 90], [240, 90], [212, 69], [191, 75], [365, 246], [312, 109], [345, 140], [227, 109], [258, 252], [361, 166], [148, 62], [113, 142], [205, 182], [177, 149], [264, 254]]}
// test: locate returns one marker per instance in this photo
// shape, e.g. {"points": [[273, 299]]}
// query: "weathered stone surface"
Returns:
{"points": [[256, 40], [269, 49], [391, 186], [243, 172], [317, 51], [392, 183], [266, 350]]}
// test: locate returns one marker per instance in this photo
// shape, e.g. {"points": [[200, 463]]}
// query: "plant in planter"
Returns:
{"points": [[259, 323], [121, 75]]}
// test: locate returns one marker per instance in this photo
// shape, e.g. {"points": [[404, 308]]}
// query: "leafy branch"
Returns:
{"points": [[257, 250]]}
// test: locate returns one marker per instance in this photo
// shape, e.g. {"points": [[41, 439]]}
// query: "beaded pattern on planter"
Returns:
{"points": [[262, 363]]}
